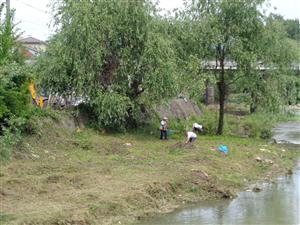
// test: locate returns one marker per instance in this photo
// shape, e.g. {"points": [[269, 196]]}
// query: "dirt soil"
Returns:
{"points": [[179, 108]]}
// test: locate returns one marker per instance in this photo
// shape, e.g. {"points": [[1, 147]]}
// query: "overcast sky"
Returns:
{"points": [[34, 16]]}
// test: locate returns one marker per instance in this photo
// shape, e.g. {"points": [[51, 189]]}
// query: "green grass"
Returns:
{"points": [[237, 122], [65, 177]]}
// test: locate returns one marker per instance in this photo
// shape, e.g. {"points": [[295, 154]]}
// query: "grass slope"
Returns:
{"points": [[64, 177]]}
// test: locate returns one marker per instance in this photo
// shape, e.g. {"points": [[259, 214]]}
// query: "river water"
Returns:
{"points": [[277, 203]]}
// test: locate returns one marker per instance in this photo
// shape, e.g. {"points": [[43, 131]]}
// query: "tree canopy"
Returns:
{"points": [[15, 107], [236, 32], [112, 53], [123, 57], [8, 46]]}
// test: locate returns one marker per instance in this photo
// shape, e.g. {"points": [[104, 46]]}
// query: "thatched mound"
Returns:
{"points": [[178, 108]]}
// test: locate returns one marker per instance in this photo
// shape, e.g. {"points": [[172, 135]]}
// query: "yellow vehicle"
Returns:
{"points": [[37, 101]]}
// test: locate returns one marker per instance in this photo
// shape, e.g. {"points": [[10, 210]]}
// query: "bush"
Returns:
{"points": [[257, 125], [15, 106], [178, 127], [209, 120], [111, 110], [7, 140], [14, 96]]}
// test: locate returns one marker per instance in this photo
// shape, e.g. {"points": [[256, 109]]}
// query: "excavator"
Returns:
{"points": [[38, 101], [56, 101]]}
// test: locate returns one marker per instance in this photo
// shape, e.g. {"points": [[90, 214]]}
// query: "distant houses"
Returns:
{"points": [[32, 47]]}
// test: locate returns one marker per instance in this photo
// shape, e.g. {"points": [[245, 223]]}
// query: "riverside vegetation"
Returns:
{"points": [[64, 176], [123, 58]]}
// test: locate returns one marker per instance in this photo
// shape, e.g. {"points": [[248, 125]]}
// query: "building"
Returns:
{"points": [[31, 47]]}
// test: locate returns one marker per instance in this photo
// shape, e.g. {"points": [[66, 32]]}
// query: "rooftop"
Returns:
{"points": [[30, 40]]}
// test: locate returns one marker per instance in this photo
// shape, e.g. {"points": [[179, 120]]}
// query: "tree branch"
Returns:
{"points": [[237, 78]]}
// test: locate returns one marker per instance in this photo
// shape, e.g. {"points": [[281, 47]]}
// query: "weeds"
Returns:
{"points": [[256, 125], [96, 178]]}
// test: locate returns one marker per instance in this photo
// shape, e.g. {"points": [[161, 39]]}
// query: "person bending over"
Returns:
{"points": [[197, 127], [190, 137]]}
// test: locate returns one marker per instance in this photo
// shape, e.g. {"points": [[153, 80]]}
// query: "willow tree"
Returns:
{"points": [[273, 83], [227, 31], [111, 53]]}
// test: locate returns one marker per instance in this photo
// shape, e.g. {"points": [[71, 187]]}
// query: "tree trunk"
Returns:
{"points": [[110, 66], [252, 108], [209, 93], [130, 120], [253, 103], [222, 93]]}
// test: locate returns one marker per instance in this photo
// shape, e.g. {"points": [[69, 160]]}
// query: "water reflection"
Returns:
{"points": [[289, 132], [278, 203]]}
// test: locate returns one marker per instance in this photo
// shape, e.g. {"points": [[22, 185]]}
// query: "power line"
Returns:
{"points": [[28, 21], [33, 7]]}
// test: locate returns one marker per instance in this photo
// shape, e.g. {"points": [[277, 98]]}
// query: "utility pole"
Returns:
{"points": [[8, 18], [8, 7], [8, 11]]}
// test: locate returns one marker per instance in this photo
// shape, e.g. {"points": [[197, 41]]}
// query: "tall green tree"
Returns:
{"points": [[227, 30], [112, 53], [290, 26], [9, 50], [276, 84], [15, 107], [189, 55]]}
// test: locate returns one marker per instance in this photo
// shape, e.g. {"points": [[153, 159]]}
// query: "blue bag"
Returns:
{"points": [[223, 148]]}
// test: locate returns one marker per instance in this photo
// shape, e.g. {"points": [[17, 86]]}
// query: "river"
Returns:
{"points": [[277, 203]]}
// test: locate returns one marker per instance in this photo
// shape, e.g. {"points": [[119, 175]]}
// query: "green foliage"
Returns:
{"points": [[14, 96], [111, 110], [15, 107], [7, 139], [109, 51], [276, 86], [225, 30], [252, 124], [14, 104], [209, 120], [13, 77], [187, 44], [123, 58], [9, 51], [178, 127], [255, 125], [18, 127], [291, 26]]}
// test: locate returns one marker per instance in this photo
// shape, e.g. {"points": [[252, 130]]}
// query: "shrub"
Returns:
{"points": [[6, 141], [111, 110], [256, 125], [14, 97], [15, 106]]}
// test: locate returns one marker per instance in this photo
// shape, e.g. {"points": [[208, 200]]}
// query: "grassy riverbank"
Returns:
{"points": [[59, 176]]}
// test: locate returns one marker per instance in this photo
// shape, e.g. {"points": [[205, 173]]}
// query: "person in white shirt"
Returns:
{"points": [[190, 137], [197, 127], [163, 128]]}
